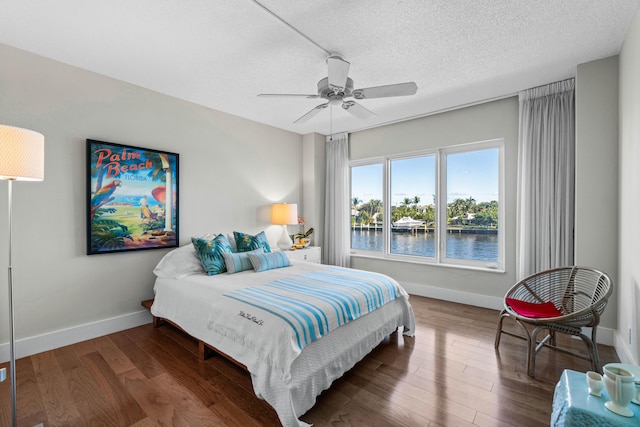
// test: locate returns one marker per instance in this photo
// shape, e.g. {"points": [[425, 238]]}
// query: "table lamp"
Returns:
{"points": [[284, 214]]}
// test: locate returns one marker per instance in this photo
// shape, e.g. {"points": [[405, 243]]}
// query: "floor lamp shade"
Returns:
{"points": [[21, 154], [21, 159], [284, 214]]}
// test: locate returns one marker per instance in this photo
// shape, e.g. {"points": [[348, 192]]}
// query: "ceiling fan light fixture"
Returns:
{"points": [[337, 86], [325, 90]]}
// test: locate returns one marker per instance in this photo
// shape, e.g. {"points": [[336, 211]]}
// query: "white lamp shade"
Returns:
{"points": [[21, 154], [284, 213]]}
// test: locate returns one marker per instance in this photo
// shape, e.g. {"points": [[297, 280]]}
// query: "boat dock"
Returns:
{"points": [[422, 229]]}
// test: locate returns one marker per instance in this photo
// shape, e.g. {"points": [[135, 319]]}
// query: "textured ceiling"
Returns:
{"points": [[222, 53]]}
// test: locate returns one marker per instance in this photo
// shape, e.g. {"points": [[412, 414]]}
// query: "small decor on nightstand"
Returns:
{"points": [[301, 240]]}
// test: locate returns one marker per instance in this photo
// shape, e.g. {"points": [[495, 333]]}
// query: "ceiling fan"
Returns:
{"points": [[337, 86]]}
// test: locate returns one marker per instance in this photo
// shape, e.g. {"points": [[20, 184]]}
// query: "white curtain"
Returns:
{"points": [[546, 178], [337, 207]]}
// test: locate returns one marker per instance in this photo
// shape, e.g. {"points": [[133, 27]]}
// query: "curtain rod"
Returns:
{"points": [[456, 107], [547, 84], [433, 113]]}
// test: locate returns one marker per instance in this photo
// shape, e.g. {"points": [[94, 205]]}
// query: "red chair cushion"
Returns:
{"points": [[532, 309]]}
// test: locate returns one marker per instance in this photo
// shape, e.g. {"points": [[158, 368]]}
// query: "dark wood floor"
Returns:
{"points": [[447, 375]]}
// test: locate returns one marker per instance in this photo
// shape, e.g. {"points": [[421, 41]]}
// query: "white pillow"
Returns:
{"points": [[180, 262], [232, 241]]}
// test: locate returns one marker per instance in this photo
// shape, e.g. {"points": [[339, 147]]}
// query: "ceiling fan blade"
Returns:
{"points": [[398, 89], [311, 113], [338, 72], [357, 110], [287, 95]]}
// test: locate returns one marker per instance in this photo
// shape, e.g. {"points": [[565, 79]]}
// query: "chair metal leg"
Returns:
{"points": [[531, 363], [592, 350], [531, 343], [503, 314], [596, 357]]}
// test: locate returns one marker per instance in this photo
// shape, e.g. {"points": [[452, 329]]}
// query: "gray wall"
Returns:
{"points": [[596, 228], [628, 339], [498, 119], [231, 170]]}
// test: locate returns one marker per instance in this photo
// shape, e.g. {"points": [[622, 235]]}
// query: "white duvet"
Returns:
{"points": [[287, 378]]}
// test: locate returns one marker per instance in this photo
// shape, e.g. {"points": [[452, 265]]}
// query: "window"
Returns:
{"points": [[438, 206], [413, 210], [366, 207]]}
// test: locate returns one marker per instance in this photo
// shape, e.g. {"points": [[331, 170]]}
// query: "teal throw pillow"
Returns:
{"points": [[268, 261], [211, 253], [236, 262], [247, 242]]}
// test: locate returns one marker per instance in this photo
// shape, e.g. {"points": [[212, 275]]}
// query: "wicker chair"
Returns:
{"points": [[557, 300]]}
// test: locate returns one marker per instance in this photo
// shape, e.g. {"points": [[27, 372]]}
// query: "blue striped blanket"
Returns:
{"points": [[315, 303]]}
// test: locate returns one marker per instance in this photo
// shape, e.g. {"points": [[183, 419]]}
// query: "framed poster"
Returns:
{"points": [[132, 198]]}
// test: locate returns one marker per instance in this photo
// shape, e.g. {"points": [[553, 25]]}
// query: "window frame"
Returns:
{"points": [[440, 257]]}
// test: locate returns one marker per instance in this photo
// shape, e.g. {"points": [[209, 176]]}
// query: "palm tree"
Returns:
{"points": [[365, 218], [457, 208], [374, 206], [471, 204], [354, 207]]}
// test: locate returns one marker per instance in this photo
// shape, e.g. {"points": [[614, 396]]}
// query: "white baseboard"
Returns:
{"points": [[484, 301], [37, 344], [623, 350], [605, 335]]}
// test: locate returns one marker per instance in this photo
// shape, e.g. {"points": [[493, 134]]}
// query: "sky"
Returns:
{"points": [[469, 174]]}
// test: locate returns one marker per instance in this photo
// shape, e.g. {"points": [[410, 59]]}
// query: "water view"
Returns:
{"points": [[482, 247]]}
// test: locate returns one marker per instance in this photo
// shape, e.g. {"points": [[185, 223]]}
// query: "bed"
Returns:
{"points": [[292, 350]]}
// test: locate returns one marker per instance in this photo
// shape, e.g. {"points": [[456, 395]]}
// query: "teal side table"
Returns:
{"points": [[573, 406]]}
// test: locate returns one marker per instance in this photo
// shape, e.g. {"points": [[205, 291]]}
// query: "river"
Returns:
{"points": [[482, 247]]}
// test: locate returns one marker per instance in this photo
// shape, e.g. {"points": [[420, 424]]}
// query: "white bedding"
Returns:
{"points": [[194, 302]]}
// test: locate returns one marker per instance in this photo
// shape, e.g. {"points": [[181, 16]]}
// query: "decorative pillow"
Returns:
{"points": [[533, 310], [210, 253], [236, 262], [232, 240], [247, 242], [268, 261], [179, 262]]}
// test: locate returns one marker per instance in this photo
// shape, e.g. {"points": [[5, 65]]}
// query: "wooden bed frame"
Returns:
{"points": [[204, 350]]}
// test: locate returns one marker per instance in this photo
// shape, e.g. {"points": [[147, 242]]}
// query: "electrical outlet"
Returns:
{"points": [[3, 374]]}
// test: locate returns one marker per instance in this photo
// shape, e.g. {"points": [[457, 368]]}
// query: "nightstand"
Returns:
{"points": [[310, 254]]}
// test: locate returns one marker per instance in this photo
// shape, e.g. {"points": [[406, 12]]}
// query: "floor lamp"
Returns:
{"points": [[21, 159]]}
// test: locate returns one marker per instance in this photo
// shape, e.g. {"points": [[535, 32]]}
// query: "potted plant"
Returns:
{"points": [[302, 240]]}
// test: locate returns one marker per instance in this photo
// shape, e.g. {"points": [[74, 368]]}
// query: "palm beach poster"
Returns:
{"points": [[132, 198]]}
